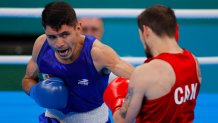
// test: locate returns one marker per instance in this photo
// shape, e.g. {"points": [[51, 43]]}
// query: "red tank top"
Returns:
{"points": [[178, 105]]}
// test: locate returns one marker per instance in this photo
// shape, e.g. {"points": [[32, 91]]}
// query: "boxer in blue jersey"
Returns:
{"points": [[75, 70]]}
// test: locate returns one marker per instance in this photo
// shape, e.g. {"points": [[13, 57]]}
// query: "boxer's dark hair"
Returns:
{"points": [[160, 19], [56, 14]]}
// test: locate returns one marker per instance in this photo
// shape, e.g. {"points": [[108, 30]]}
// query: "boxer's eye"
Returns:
{"points": [[52, 37], [64, 34]]}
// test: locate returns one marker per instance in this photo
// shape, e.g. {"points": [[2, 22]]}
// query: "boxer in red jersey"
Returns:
{"points": [[165, 88]]}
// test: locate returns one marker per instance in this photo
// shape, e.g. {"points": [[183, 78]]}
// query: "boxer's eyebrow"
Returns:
{"points": [[64, 33]]}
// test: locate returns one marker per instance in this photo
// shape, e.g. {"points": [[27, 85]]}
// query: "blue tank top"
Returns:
{"points": [[86, 85]]}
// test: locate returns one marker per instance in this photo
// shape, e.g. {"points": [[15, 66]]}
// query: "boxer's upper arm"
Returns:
{"points": [[32, 68], [37, 46], [198, 69], [105, 57], [133, 100], [136, 92]]}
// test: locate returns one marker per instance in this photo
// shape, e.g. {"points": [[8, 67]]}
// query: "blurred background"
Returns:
{"points": [[17, 36]]}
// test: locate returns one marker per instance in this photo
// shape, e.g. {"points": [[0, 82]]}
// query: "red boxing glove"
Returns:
{"points": [[115, 93], [177, 32]]}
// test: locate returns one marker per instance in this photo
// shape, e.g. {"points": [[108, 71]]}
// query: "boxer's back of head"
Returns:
{"points": [[160, 19]]}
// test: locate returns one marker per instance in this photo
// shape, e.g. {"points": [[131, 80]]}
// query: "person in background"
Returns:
{"points": [[92, 26]]}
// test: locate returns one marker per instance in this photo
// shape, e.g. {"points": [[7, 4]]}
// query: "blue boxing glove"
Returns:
{"points": [[50, 93]]}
